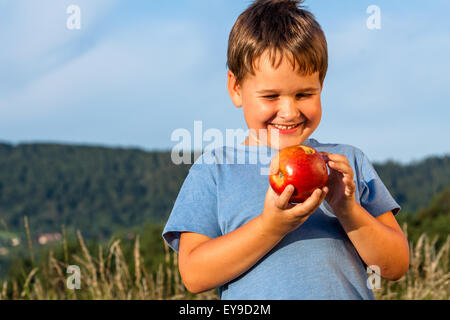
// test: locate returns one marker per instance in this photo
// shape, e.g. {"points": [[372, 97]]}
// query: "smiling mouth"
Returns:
{"points": [[285, 127]]}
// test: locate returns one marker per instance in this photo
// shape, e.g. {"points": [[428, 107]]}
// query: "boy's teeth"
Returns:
{"points": [[284, 127]]}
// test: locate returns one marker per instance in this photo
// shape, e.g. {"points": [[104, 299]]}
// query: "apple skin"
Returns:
{"points": [[301, 166]]}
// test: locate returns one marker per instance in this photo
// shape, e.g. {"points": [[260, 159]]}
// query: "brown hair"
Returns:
{"points": [[280, 26]]}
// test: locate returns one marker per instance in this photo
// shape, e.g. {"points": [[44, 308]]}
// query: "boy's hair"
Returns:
{"points": [[281, 26]]}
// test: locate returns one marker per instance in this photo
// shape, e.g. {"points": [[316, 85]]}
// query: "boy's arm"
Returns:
{"points": [[379, 241], [207, 263]]}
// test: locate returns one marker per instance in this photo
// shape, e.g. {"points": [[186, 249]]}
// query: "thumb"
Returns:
{"points": [[283, 200]]}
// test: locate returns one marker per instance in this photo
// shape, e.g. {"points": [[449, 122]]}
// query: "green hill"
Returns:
{"points": [[414, 185], [101, 190], [97, 190]]}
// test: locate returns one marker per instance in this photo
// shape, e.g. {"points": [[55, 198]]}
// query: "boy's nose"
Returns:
{"points": [[288, 111]]}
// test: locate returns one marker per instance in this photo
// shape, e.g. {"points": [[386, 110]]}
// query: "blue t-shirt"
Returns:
{"points": [[226, 187]]}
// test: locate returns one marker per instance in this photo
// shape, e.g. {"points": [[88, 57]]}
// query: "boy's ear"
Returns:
{"points": [[234, 90]]}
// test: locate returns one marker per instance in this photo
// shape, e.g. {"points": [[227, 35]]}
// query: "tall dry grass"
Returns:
{"points": [[428, 276], [107, 276]]}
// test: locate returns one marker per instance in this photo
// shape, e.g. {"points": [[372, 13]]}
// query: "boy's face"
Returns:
{"points": [[281, 101]]}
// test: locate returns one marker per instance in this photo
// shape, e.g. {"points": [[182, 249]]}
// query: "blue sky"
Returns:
{"points": [[138, 70]]}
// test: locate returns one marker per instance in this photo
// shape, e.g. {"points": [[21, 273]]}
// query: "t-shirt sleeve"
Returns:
{"points": [[374, 195], [195, 209]]}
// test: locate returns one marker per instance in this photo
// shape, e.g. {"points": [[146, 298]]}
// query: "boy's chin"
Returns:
{"points": [[276, 141], [280, 141]]}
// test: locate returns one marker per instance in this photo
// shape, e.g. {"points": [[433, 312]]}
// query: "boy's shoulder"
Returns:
{"points": [[337, 147], [355, 156], [341, 148]]}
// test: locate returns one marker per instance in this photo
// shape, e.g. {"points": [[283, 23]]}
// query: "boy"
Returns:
{"points": [[233, 231]]}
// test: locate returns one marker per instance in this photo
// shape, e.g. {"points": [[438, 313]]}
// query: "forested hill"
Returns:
{"points": [[99, 190], [415, 185], [94, 189]]}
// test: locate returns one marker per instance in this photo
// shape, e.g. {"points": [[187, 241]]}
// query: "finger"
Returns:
{"points": [[289, 205], [309, 205], [283, 200], [336, 157], [350, 186], [341, 167], [324, 192], [323, 196]]}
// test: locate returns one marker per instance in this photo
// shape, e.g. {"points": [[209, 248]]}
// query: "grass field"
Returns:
{"points": [[108, 276]]}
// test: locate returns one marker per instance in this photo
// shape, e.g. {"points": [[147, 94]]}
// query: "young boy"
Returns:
{"points": [[232, 231]]}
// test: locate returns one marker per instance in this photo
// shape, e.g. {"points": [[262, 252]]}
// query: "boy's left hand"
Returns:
{"points": [[341, 194]]}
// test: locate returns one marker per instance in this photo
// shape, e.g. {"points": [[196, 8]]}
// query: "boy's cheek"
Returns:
{"points": [[313, 110]]}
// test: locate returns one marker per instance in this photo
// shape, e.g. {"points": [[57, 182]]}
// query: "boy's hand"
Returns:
{"points": [[341, 196], [280, 217]]}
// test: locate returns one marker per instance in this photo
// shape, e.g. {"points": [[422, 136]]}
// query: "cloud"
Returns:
{"points": [[386, 91], [146, 70], [394, 69], [36, 41]]}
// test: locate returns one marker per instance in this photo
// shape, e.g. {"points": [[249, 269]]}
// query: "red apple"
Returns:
{"points": [[301, 166]]}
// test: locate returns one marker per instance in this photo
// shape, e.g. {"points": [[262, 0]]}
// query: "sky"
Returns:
{"points": [[136, 71]]}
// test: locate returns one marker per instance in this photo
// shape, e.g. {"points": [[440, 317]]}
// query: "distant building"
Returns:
{"points": [[45, 238], [15, 241]]}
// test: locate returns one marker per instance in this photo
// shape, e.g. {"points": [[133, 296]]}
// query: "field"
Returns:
{"points": [[108, 274]]}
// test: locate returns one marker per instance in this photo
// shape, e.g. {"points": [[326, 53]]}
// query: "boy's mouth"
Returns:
{"points": [[285, 128]]}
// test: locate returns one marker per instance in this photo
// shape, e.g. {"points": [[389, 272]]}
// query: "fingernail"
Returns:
{"points": [[331, 162]]}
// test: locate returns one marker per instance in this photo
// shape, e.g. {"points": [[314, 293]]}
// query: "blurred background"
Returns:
{"points": [[86, 117]]}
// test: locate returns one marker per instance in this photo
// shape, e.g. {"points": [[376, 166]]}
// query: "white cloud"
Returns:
{"points": [[151, 64], [386, 91], [394, 69], [35, 39]]}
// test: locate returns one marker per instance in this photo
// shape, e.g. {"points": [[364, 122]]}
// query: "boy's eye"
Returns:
{"points": [[301, 95]]}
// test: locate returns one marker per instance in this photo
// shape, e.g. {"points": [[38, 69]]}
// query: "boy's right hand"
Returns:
{"points": [[280, 217]]}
